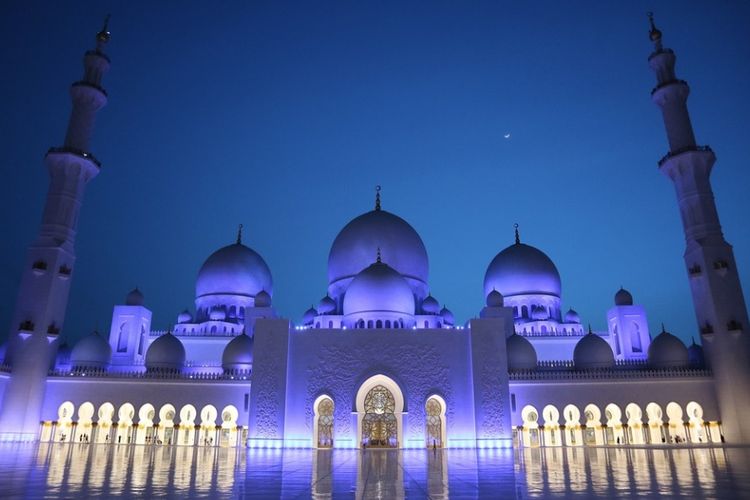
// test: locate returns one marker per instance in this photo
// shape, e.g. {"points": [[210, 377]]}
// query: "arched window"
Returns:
{"points": [[142, 341], [378, 324], [330, 324], [524, 312], [515, 311], [387, 323], [635, 338], [544, 328], [122, 339], [213, 329], [369, 324], [233, 312], [361, 323], [242, 313], [617, 340]]}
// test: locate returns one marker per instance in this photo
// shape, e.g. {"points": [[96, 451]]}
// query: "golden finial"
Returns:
{"points": [[104, 35], [654, 33], [377, 197]]}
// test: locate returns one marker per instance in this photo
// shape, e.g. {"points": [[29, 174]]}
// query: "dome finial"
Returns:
{"points": [[104, 35], [378, 259], [377, 197], [654, 34], [663, 330], [590, 331], [239, 234], [518, 236]]}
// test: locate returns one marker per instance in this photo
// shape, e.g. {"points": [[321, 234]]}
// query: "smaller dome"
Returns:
{"points": [[134, 298], [623, 298], [309, 316], [379, 289], [447, 316], [572, 316], [184, 317], [327, 305], [521, 354], [593, 352], [238, 354], [165, 353], [263, 299], [539, 313], [667, 351], [696, 357], [430, 305], [217, 314], [92, 351], [495, 299]]}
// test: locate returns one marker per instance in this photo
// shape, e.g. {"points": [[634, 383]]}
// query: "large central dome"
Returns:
{"points": [[233, 270], [522, 270], [399, 244]]}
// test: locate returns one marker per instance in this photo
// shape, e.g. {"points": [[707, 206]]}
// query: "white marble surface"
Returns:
{"points": [[75, 470]]}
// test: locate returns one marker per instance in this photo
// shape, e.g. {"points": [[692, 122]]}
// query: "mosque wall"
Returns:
{"points": [[422, 363]]}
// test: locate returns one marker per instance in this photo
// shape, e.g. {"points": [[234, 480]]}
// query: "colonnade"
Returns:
{"points": [[551, 428], [193, 428]]}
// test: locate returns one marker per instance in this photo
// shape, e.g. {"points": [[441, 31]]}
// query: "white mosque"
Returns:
{"points": [[234, 372]]}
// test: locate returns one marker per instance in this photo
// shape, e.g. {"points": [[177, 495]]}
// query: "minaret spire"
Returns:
{"points": [[377, 197], [50, 261], [654, 32], [518, 236], [719, 304]]}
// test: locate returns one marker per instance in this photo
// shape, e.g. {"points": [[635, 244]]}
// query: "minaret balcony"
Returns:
{"points": [[667, 84], [678, 152], [76, 152], [98, 53], [660, 52], [90, 85]]}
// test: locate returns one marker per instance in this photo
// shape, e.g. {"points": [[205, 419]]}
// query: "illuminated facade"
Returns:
{"points": [[378, 362]]}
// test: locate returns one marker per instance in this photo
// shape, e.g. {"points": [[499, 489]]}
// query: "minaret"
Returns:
{"points": [[50, 260], [714, 281]]}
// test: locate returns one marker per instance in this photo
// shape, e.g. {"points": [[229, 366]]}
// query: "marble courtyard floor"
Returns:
{"points": [[67, 470]]}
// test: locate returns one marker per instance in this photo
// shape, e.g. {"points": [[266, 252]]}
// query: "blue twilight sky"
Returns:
{"points": [[285, 115]]}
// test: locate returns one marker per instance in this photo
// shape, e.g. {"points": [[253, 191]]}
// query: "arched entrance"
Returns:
{"points": [[323, 422], [380, 407], [228, 436], [379, 427], [435, 422], [530, 417]]}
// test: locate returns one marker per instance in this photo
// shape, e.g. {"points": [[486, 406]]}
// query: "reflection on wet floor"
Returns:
{"points": [[88, 470]]}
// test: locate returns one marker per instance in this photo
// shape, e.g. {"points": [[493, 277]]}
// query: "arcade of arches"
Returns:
{"points": [[120, 425], [634, 426]]}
